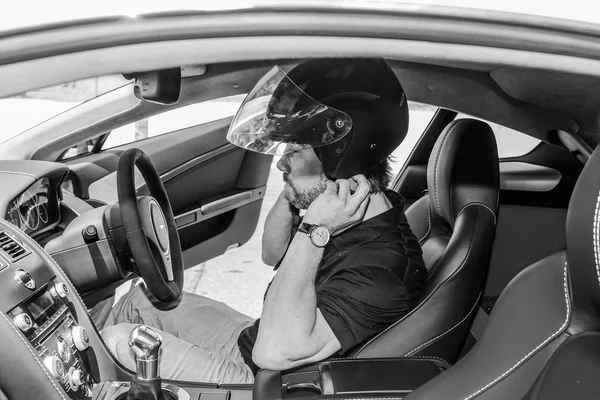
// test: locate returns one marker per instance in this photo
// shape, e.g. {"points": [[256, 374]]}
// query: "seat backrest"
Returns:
{"points": [[455, 224], [542, 307]]}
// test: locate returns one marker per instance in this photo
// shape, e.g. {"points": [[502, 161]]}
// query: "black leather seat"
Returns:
{"points": [[544, 306], [456, 224]]}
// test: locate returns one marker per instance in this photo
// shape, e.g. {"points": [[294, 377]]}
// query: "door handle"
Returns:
{"points": [[219, 206], [225, 202]]}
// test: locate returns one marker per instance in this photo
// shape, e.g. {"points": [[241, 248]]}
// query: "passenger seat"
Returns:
{"points": [[455, 223]]}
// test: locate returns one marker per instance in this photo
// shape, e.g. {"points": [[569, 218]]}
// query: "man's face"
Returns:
{"points": [[304, 177]]}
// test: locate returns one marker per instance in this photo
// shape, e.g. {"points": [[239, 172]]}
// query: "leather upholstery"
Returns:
{"points": [[543, 306], [463, 169], [455, 225], [560, 380], [583, 247]]}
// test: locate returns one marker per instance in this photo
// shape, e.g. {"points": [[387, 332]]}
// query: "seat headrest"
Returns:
{"points": [[583, 244], [463, 169]]}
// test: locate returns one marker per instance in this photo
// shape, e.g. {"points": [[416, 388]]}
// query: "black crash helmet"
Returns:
{"points": [[352, 112]]}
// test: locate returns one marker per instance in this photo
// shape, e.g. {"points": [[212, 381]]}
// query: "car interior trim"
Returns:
{"points": [[423, 345], [434, 358], [576, 145], [219, 207], [175, 172], [521, 176], [20, 76], [20, 173], [536, 349], [36, 358]]}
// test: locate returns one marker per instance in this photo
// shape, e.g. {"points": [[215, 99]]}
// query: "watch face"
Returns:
{"points": [[320, 236]]}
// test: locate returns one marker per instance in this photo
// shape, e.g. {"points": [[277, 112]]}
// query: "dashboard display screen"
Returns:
{"points": [[40, 305], [35, 209]]}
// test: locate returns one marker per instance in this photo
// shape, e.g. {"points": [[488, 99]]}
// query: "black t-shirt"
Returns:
{"points": [[369, 277]]}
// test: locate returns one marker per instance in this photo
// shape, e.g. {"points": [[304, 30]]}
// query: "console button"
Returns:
{"points": [[55, 366], [80, 337], [64, 350], [23, 322], [59, 291], [76, 377]]}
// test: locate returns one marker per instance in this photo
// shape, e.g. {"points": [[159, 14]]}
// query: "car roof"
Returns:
{"points": [[23, 17]]}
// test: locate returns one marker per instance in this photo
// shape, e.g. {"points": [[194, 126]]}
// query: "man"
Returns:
{"points": [[350, 268]]}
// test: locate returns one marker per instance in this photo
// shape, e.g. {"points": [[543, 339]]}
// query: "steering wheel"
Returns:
{"points": [[150, 227]]}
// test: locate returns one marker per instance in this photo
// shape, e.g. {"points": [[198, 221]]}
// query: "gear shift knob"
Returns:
{"points": [[145, 344]]}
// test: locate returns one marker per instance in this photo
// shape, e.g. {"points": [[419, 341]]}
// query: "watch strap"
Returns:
{"points": [[306, 228]]}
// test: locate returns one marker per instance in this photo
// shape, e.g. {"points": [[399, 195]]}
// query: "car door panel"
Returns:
{"points": [[215, 188]]}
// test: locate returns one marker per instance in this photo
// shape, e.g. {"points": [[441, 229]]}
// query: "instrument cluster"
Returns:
{"points": [[36, 209]]}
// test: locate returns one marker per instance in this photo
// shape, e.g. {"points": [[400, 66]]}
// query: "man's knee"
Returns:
{"points": [[116, 338]]}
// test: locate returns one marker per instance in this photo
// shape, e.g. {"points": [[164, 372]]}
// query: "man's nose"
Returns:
{"points": [[281, 164]]}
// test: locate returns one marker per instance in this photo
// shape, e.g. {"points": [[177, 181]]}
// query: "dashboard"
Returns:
{"points": [[36, 209]]}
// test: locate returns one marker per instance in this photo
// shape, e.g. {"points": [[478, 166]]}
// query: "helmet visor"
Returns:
{"points": [[278, 117]]}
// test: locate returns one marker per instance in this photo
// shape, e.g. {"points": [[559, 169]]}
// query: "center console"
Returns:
{"points": [[365, 378], [48, 324]]}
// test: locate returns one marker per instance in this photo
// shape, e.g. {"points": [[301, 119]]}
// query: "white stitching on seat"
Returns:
{"points": [[522, 360], [476, 204], [437, 159], [36, 358], [409, 354], [596, 237], [20, 173], [433, 357], [429, 221]]}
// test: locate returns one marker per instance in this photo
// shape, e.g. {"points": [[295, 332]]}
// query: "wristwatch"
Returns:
{"points": [[319, 234]]}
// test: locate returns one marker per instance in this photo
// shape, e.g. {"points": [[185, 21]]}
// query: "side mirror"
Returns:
{"points": [[162, 87]]}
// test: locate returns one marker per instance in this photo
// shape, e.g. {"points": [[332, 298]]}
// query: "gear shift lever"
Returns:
{"points": [[145, 344]]}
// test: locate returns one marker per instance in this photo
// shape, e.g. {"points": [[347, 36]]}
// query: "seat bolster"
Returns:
{"points": [[445, 309], [419, 218], [526, 325]]}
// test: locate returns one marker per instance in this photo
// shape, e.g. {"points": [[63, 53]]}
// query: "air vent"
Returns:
{"points": [[11, 247]]}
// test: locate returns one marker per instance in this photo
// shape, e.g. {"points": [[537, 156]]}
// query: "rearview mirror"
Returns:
{"points": [[162, 87]]}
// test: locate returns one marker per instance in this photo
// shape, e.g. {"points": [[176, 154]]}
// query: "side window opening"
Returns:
{"points": [[170, 121], [418, 118], [161, 124]]}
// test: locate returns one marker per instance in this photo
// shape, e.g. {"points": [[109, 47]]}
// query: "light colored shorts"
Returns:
{"points": [[199, 336]]}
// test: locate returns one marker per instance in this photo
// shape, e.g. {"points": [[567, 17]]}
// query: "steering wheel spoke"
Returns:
{"points": [[157, 232]]}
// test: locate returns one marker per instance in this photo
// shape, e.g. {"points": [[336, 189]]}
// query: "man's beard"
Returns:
{"points": [[301, 199]]}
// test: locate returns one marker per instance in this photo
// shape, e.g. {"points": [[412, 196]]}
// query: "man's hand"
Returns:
{"points": [[337, 208]]}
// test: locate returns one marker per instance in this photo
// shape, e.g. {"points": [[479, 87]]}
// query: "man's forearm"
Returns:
{"points": [[277, 231], [290, 309]]}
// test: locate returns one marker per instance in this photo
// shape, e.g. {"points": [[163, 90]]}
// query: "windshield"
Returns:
{"points": [[20, 113]]}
